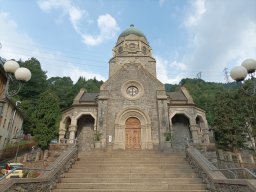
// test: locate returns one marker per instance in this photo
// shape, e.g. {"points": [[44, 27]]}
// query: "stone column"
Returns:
{"points": [[144, 137], [206, 136], [61, 136], [251, 158], [61, 132], [149, 144], [194, 129], [119, 138], [230, 158], [221, 155], [72, 131], [72, 128]]}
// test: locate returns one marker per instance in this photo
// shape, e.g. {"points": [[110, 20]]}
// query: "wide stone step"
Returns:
{"points": [[132, 153], [132, 159], [131, 186], [131, 171], [125, 170], [131, 166], [131, 175], [125, 190], [91, 163], [124, 155], [133, 180]]}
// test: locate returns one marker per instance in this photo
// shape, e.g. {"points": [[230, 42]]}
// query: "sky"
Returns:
{"points": [[189, 38]]}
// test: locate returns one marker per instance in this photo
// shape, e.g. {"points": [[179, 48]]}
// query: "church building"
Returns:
{"points": [[133, 109]]}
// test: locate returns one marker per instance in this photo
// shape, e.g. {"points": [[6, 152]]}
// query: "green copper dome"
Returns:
{"points": [[132, 30]]}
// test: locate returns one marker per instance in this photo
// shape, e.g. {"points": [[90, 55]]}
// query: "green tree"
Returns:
{"points": [[229, 120], [45, 118], [37, 84], [91, 85], [62, 87]]}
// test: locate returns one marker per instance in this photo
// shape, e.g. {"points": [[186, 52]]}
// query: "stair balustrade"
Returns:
{"points": [[47, 179], [214, 178]]}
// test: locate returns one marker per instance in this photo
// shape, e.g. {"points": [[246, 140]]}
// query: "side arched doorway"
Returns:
{"points": [[181, 131], [85, 132], [132, 133]]}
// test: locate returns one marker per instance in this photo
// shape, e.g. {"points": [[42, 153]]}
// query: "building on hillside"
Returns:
{"points": [[11, 118], [133, 109]]}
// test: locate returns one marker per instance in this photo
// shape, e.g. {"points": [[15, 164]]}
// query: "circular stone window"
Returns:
{"points": [[132, 90]]}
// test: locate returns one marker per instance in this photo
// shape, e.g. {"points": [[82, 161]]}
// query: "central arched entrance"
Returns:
{"points": [[132, 133]]}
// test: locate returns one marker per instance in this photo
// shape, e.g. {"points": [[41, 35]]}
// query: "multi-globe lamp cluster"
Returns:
{"points": [[15, 74], [247, 68]]}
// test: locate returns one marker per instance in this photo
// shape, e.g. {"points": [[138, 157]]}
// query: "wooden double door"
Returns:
{"points": [[132, 133]]}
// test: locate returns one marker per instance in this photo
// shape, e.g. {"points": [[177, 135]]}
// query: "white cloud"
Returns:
{"points": [[179, 66], [107, 26], [161, 2], [199, 11], [18, 45], [75, 16], [9, 35], [223, 37], [75, 73], [163, 74], [48, 5]]}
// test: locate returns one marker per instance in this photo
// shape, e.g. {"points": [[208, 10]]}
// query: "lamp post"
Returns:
{"points": [[18, 138], [16, 76], [239, 74]]}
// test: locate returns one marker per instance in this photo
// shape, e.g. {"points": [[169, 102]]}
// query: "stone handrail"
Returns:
{"points": [[213, 177], [49, 177]]}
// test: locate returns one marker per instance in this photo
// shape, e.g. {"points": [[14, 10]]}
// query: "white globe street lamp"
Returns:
{"points": [[16, 76], [239, 74]]}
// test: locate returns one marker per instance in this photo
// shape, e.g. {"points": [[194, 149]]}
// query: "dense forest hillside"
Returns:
{"points": [[203, 93], [229, 111]]}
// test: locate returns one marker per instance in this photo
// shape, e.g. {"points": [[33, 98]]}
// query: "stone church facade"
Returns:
{"points": [[133, 109]]}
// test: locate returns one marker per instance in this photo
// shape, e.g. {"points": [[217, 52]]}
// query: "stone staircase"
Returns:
{"points": [[126, 171]]}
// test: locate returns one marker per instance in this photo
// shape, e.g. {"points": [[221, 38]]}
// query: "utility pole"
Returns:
{"points": [[199, 75], [226, 73]]}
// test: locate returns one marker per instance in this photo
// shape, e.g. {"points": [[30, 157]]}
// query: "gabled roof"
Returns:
{"points": [[123, 68], [89, 97], [181, 96], [85, 98], [178, 96]]}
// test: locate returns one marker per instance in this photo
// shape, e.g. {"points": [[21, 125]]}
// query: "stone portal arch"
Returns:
{"points": [[120, 124], [64, 130], [180, 130], [85, 132], [132, 133], [203, 135], [81, 114]]}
